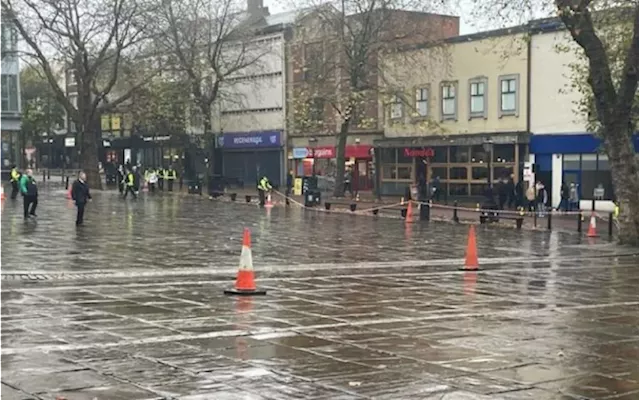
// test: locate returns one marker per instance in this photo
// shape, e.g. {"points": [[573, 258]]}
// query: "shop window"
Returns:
{"points": [[478, 189], [479, 155], [603, 162], [458, 189], [440, 155], [479, 173], [504, 153], [458, 154], [389, 172], [502, 172], [387, 156], [458, 173], [589, 162], [571, 162], [9, 93], [441, 172], [404, 172]]}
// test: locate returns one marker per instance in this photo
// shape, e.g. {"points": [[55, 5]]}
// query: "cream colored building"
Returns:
{"points": [[457, 112]]}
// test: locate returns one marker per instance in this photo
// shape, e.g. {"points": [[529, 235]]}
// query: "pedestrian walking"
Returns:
{"points": [[171, 177], [574, 198], [130, 185], [541, 199], [347, 181], [29, 191], [81, 195], [161, 173], [531, 198], [518, 192], [121, 175], [564, 197], [289, 186], [503, 193], [153, 180], [511, 192], [15, 178]]}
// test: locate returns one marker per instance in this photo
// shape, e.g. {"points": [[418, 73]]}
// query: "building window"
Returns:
{"points": [[395, 166], [477, 98], [317, 109], [509, 95], [422, 102], [314, 62], [395, 108], [449, 105], [10, 93]]}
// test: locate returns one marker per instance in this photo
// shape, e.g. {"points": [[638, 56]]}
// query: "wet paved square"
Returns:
{"points": [[131, 307]]}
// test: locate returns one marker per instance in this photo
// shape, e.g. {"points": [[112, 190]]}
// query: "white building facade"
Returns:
{"points": [[11, 105], [251, 117], [563, 149]]}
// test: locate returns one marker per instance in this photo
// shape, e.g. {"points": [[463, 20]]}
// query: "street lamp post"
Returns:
{"points": [[488, 147], [313, 144]]}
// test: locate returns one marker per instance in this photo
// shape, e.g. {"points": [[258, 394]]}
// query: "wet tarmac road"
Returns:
{"points": [[131, 307]]}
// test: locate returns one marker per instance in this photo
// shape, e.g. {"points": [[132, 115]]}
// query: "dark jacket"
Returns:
{"points": [[28, 186], [80, 192]]}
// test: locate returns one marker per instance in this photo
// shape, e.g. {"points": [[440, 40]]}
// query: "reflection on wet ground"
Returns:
{"points": [[131, 307]]}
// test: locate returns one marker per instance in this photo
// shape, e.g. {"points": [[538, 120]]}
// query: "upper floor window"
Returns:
{"points": [[422, 102], [396, 107], [316, 113], [314, 61], [10, 93], [509, 94], [449, 103], [477, 98]]}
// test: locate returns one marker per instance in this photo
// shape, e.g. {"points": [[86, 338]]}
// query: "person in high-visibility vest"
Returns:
{"points": [[161, 173], [171, 176], [263, 187], [130, 185], [15, 178]]}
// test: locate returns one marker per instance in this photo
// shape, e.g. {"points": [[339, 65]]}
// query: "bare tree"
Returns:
{"points": [[209, 42], [346, 74], [605, 33], [92, 38]]}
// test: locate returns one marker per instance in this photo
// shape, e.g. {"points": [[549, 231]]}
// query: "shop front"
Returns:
{"points": [[152, 150], [464, 166], [321, 161], [246, 156], [573, 158]]}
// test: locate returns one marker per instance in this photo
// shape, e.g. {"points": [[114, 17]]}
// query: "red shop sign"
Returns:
{"points": [[324, 152], [426, 152], [357, 151]]}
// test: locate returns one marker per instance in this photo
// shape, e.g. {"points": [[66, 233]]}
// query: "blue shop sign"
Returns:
{"points": [[244, 140]]}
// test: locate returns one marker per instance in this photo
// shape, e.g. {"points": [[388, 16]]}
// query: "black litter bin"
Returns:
{"points": [[195, 187], [309, 198], [317, 197]]}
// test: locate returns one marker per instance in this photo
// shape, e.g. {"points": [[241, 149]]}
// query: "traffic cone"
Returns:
{"points": [[2, 196], [268, 203], [592, 227], [245, 283], [409, 218], [69, 194], [471, 256]]}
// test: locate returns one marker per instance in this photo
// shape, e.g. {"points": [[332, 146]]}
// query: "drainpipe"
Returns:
{"points": [[528, 128]]}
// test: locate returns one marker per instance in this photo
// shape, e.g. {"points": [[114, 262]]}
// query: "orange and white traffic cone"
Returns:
{"points": [[2, 196], [245, 280], [69, 194], [471, 256], [592, 227], [409, 218]]}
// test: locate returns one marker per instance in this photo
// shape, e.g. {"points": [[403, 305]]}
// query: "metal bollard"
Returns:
{"points": [[66, 183], [549, 220], [428, 212], [455, 211], [579, 222], [535, 219], [49, 173], [44, 175], [610, 224]]}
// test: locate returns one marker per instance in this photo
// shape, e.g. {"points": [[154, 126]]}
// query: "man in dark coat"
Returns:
{"points": [[81, 195]]}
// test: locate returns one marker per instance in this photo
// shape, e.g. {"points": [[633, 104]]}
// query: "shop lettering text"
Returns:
{"points": [[427, 152]]}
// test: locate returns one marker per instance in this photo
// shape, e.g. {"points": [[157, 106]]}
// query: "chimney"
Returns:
{"points": [[257, 8]]}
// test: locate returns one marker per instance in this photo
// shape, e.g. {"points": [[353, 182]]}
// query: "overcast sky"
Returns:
{"points": [[277, 6]]}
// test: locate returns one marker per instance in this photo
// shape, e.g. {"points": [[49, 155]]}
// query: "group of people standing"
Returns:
{"points": [[130, 180]]}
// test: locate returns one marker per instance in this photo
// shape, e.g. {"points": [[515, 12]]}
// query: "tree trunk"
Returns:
{"points": [[624, 172], [89, 158], [338, 190]]}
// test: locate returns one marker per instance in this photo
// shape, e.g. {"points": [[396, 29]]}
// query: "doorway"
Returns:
{"points": [[363, 175]]}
